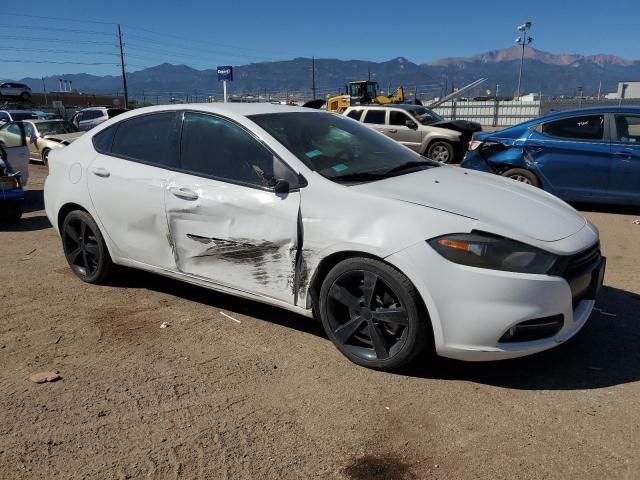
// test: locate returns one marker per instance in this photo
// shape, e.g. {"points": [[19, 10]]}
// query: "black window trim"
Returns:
{"points": [[606, 131], [179, 119], [302, 182]]}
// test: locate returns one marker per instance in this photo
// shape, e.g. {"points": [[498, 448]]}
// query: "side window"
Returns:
{"points": [[148, 138], [12, 136], [102, 141], [628, 129], [28, 129], [355, 114], [375, 116], [398, 118], [214, 147], [91, 114], [588, 127]]}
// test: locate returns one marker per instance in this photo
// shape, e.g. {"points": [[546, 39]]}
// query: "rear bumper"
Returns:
{"points": [[12, 195]]}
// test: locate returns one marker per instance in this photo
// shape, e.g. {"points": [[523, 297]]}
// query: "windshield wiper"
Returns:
{"points": [[409, 166], [360, 176]]}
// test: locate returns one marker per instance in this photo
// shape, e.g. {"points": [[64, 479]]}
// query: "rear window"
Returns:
{"points": [[355, 114], [112, 112], [375, 116], [586, 127]]}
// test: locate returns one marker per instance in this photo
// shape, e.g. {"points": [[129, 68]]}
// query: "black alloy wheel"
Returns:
{"points": [[373, 314], [84, 248]]}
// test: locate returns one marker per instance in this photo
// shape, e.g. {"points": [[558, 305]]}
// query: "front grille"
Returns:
{"points": [[578, 270]]}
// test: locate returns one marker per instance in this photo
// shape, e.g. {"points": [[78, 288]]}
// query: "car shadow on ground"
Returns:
{"points": [[33, 202], [605, 353], [130, 278]]}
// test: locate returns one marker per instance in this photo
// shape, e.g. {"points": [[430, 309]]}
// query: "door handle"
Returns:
{"points": [[100, 172], [393, 130], [184, 193], [623, 154]]}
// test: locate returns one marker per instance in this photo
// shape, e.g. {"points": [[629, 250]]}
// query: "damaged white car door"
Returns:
{"points": [[127, 180], [227, 221]]}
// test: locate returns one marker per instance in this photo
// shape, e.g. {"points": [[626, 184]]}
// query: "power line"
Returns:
{"points": [[57, 62], [58, 18], [49, 50], [58, 40], [55, 29]]}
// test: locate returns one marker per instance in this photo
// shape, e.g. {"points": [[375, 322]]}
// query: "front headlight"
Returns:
{"points": [[484, 250]]}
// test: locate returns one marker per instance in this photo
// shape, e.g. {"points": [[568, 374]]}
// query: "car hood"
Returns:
{"points": [[500, 205], [459, 126], [63, 137]]}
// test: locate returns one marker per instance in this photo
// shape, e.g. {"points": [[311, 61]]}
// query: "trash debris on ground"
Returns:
{"points": [[42, 377], [58, 339], [230, 317], [165, 325], [27, 257], [636, 222], [602, 312]]}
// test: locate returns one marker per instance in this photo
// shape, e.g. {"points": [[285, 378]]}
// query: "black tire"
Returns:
{"points": [[522, 175], [25, 96], [441, 151], [84, 248], [373, 314], [12, 213], [45, 156]]}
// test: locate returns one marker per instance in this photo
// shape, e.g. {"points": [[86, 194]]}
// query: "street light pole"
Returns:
{"points": [[522, 40]]}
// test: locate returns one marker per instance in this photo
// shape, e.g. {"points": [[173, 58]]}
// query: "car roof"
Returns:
{"points": [[244, 109], [592, 110]]}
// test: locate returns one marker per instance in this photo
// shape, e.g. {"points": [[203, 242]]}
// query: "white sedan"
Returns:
{"points": [[318, 214]]}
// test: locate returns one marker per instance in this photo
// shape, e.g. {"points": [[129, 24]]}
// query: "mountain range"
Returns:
{"points": [[549, 73]]}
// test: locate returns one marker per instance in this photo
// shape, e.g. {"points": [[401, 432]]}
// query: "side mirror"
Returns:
{"points": [[282, 186], [33, 138], [411, 124]]}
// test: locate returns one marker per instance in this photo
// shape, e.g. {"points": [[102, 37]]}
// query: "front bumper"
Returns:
{"points": [[472, 308]]}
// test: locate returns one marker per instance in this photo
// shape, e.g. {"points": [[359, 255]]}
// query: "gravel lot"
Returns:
{"points": [[268, 396]]}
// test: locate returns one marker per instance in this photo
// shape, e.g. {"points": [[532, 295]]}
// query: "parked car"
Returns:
{"points": [[418, 128], [45, 135], [11, 193], [7, 116], [587, 155], [321, 215], [88, 118], [13, 89], [13, 140]]}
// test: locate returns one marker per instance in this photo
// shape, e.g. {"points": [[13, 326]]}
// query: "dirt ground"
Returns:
{"points": [[267, 395]]}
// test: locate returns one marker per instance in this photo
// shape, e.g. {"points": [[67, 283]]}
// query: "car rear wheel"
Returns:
{"points": [[522, 175], [25, 96], [440, 152], [373, 314], [84, 248], [45, 156]]}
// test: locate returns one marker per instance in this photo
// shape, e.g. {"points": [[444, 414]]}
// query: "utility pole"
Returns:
{"points": [[44, 89], [313, 76], [599, 89], [124, 77], [523, 40], [369, 70]]}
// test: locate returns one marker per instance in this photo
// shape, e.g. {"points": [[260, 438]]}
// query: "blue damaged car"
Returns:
{"points": [[11, 192], [587, 155]]}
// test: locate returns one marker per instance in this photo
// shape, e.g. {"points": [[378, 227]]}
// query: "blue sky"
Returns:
{"points": [[205, 33]]}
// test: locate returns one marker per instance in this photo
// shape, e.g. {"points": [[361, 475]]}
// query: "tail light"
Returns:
{"points": [[473, 144]]}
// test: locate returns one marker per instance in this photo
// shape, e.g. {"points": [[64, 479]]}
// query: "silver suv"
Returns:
{"points": [[90, 117], [418, 128], [13, 89]]}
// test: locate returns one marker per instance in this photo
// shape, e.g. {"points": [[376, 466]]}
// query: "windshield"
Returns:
{"points": [[55, 128], [339, 148], [426, 116]]}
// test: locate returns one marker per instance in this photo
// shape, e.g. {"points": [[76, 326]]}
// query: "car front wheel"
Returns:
{"points": [[84, 248], [373, 314], [45, 156]]}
